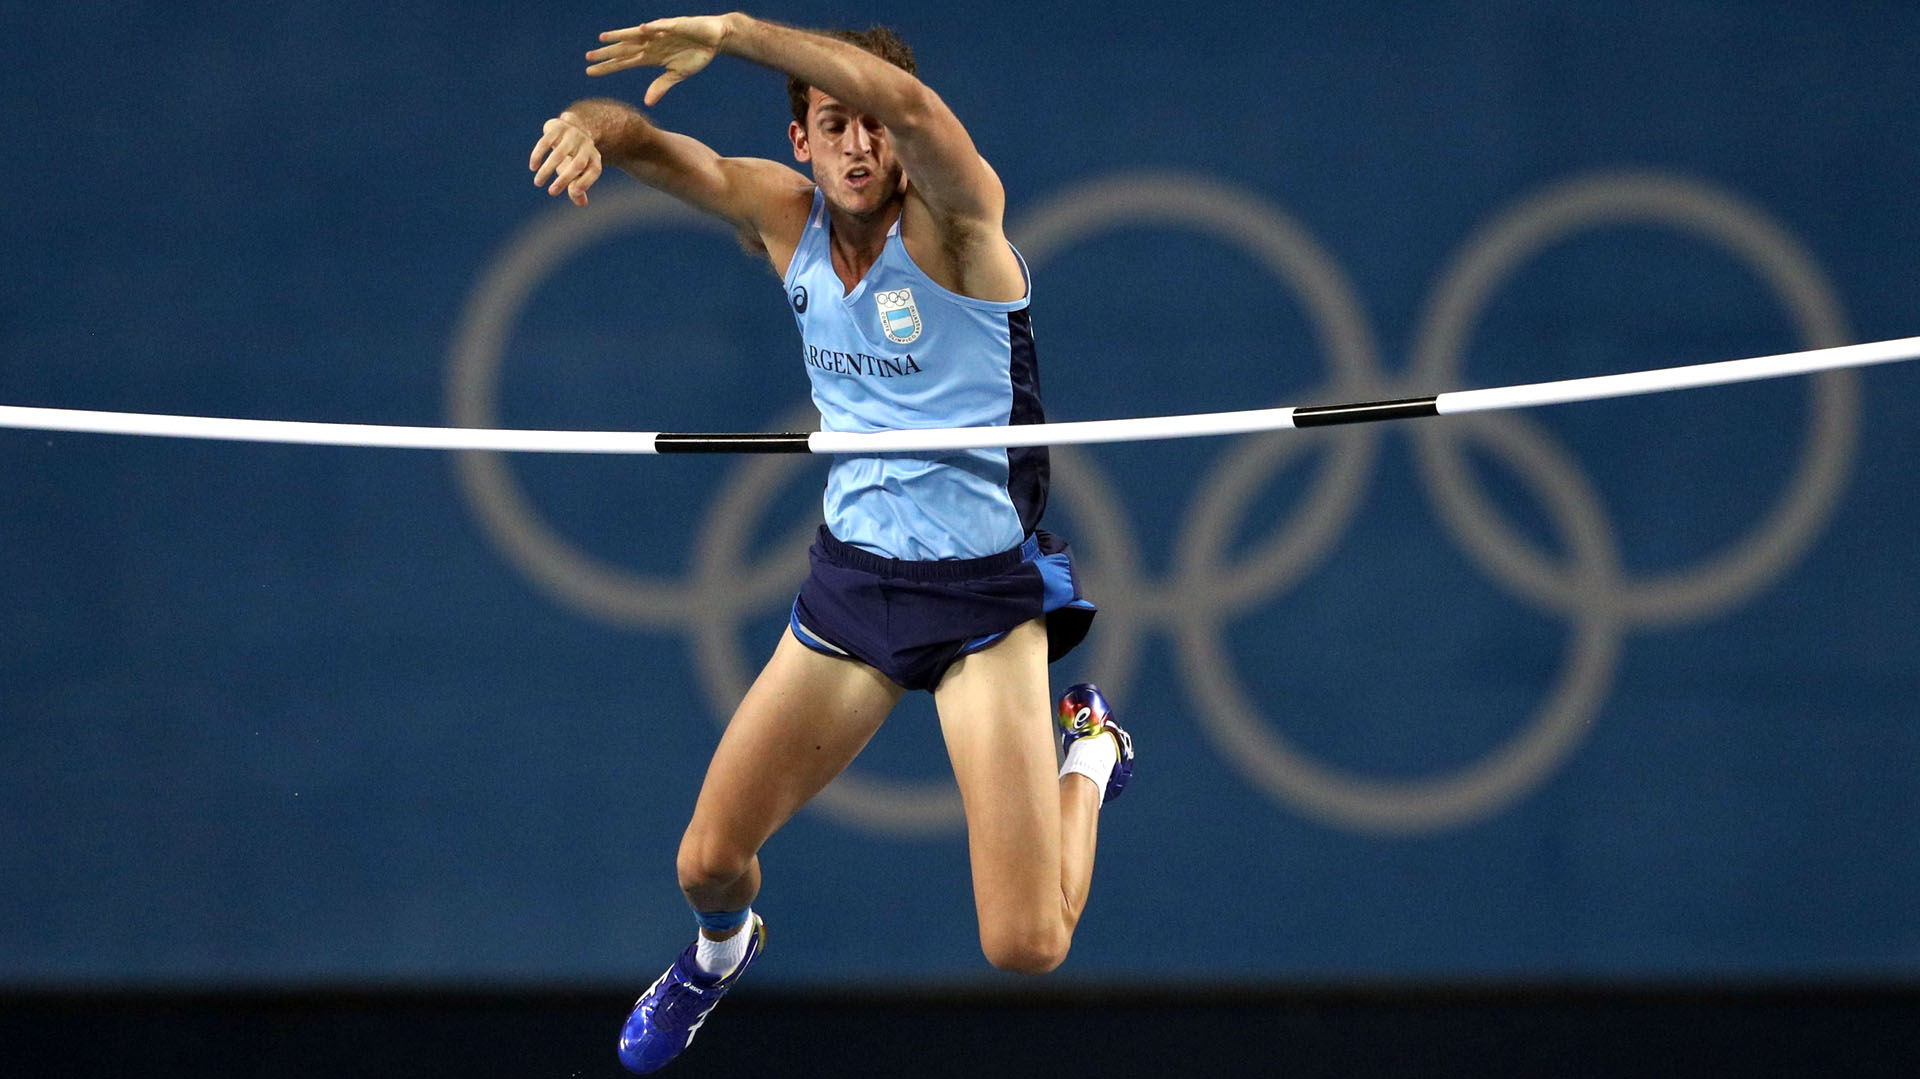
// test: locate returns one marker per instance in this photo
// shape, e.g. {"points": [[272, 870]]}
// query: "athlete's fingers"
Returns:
{"points": [[608, 67], [575, 167], [556, 143], [661, 85], [618, 56], [564, 175], [556, 167], [638, 34], [572, 172], [577, 191], [539, 151], [625, 33], [548, 167], [545, 170]]}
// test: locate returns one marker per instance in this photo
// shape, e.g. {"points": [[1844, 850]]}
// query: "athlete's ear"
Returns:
{"points": [[797, 134]]}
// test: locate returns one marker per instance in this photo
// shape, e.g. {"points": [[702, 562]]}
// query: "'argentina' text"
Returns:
{"points": [[859, 363]]}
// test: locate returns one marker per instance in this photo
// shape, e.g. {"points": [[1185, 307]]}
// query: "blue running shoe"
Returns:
{"points": [[669, 1014], [1083, 713]]}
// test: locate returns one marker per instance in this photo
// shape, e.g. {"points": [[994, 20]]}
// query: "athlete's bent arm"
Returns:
{"points": [[949, 176], [759, 198], [948, 171]]}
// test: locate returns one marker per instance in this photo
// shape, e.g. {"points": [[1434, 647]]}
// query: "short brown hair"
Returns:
{"points": [[881, 41]]}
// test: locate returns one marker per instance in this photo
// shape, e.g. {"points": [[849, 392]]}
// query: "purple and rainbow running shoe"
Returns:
{"points": [[669, 1014], [1083, 713]]}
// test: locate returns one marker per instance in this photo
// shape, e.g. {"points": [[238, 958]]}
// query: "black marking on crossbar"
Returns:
{"points": [[1365, 412], [732, 442]]}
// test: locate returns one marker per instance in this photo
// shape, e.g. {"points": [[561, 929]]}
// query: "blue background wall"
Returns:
{"points": [[1642, 706]]}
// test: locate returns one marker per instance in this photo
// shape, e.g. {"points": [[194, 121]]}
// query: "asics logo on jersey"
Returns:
{"points": [[800, 299], [898, 315]]}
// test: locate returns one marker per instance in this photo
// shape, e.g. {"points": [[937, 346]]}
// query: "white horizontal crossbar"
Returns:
{"points": [[1139, 429]]}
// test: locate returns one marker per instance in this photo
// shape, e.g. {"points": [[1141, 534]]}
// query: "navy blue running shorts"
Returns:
{"points": [[912, 620]]}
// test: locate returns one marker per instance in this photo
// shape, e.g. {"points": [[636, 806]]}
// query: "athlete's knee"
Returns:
{"points": [[1033, 948], [709, 862]]}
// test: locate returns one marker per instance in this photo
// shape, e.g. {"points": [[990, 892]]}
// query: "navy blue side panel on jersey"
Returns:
{"points": [[1027, 466]]}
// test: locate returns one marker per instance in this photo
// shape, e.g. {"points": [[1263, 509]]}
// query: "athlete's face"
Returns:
{"points": [[851, 154]]}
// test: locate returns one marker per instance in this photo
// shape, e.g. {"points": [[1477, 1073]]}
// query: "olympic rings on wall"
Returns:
{"points": [[1208, 586]]}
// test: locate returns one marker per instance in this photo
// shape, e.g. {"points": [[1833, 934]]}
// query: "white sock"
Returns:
{"points": [[1094, 758], [719, 957]]}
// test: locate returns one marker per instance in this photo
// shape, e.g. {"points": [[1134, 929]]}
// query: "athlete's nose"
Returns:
{"points": [[862, 138]]}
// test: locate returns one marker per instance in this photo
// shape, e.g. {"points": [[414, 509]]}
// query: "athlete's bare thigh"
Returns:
{"points": [[995, 717], [804, 720]]}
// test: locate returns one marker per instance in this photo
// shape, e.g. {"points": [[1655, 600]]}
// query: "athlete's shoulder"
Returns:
{"points": [[966, 256], [789, 210]]}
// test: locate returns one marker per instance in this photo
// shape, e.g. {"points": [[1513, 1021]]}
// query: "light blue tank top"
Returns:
{"points": [[901, 352]]}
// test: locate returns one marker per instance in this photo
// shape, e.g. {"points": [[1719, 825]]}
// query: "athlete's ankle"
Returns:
{"points": [[723, 940], [1093, 758]]}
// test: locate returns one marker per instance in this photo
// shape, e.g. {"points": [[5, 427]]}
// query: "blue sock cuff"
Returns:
{"points": [[720, 921]]}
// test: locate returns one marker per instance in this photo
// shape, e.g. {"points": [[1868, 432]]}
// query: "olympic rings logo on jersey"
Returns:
{"points": [[899, 316], [1207, 587]]}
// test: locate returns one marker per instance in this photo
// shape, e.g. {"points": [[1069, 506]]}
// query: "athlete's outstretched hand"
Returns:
{"points": [[566, 155], [682, 46]]}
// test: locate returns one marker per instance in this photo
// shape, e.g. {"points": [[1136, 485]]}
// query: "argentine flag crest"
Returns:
{"points": [[898, 316]]}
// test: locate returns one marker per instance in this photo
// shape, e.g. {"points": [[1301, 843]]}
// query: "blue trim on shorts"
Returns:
{"points": [[978, 643], [809, 638], [1056, 575]]}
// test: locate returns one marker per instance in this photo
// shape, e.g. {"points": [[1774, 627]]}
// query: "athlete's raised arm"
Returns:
{"points": [[948, 175], [766, 202]]}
